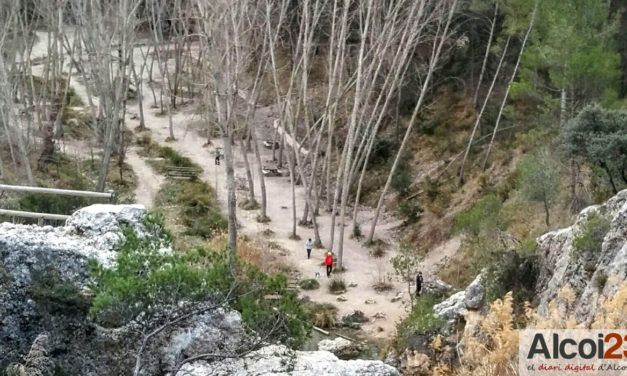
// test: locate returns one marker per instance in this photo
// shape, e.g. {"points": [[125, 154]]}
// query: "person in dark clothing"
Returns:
{"points": [[418, 283], [328, 262], [309, 247]]}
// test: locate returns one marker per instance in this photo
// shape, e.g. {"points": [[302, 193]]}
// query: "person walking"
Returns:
{"points": [[419, 281], [328, 261], [309, 247]]}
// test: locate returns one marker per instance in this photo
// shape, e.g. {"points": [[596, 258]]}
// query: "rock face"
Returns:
{"points": [[281, 361], [589, 279], [43, 330], [91, 232], [37, 362], [32, 260], [457, 305]]}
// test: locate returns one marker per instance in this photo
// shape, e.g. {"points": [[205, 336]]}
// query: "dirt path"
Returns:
{"points": [[362, 270], [148, 182]]}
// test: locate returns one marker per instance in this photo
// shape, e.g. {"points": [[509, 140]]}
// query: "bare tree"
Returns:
{"points": [[443, 16], [532, 19], [480, 115], [107, 32], [475, 97]]}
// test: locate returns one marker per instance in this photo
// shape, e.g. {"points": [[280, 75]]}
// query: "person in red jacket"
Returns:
{"points": [[328, 261]]}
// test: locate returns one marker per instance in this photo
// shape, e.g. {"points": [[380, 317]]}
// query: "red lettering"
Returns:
{"points": [[612, 352]]}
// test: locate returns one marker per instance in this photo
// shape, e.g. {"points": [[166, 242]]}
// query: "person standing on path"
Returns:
{"points": [[419, 284], [309, 247], [328, 261]]}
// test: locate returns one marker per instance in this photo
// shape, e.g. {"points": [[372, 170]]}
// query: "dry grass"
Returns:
{"points": [[337, 286], [323, 315], [492, 348], [255, 253]]}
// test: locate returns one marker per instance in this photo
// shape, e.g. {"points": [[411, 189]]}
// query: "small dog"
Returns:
{"points": [[317, 275]]}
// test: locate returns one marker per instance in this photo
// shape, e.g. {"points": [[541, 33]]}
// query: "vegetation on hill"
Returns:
{"points": [[151, 278]]}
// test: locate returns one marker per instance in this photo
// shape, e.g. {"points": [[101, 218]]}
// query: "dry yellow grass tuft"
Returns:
{"points": [[492, 350]]}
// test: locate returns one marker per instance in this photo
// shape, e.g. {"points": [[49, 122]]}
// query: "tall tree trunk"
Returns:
{"points": [[290, 163], [231, 199], [475, 98], [546, 213], [263, 216], [249, 174], [609, 176], [139, 82]]}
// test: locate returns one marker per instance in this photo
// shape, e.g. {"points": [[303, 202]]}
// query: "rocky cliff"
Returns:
{"points": [[592, 274], [45, 328]]}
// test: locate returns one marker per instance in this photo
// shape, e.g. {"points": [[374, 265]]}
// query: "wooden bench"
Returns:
{"points": [[176, 172]]}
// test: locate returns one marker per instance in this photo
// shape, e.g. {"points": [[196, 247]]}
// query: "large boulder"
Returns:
{"points": [[343, 348], [278, 360], [589, 279], [457, 305], [474, 293], [44, 281]]}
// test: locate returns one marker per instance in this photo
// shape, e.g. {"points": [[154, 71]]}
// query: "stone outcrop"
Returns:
{"points": [[35, 258], [41, 331], [456, 306], [37, 362], [341, 347], [278, 360], [589, 278]]}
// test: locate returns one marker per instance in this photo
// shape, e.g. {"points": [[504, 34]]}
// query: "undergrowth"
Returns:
{"points": [[420, 322], [150, 277]]}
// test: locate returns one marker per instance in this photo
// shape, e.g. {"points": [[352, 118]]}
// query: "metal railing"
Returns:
{"points": [[110, 196]]}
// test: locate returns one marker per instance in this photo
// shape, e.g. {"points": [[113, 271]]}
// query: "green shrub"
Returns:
{"points": [[485, 215], [382, 286], [410, 211], [164, 156], [73, 99], [146, 279], [174, 158], [77, 124], [589, 239], [600, 280], [401, 181], [199, 209], [49, 290], [511, 271], [357, 231], [381, 152], [248, 204], [46, 203], [309, 284], [337, 285], [420, 322]]}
